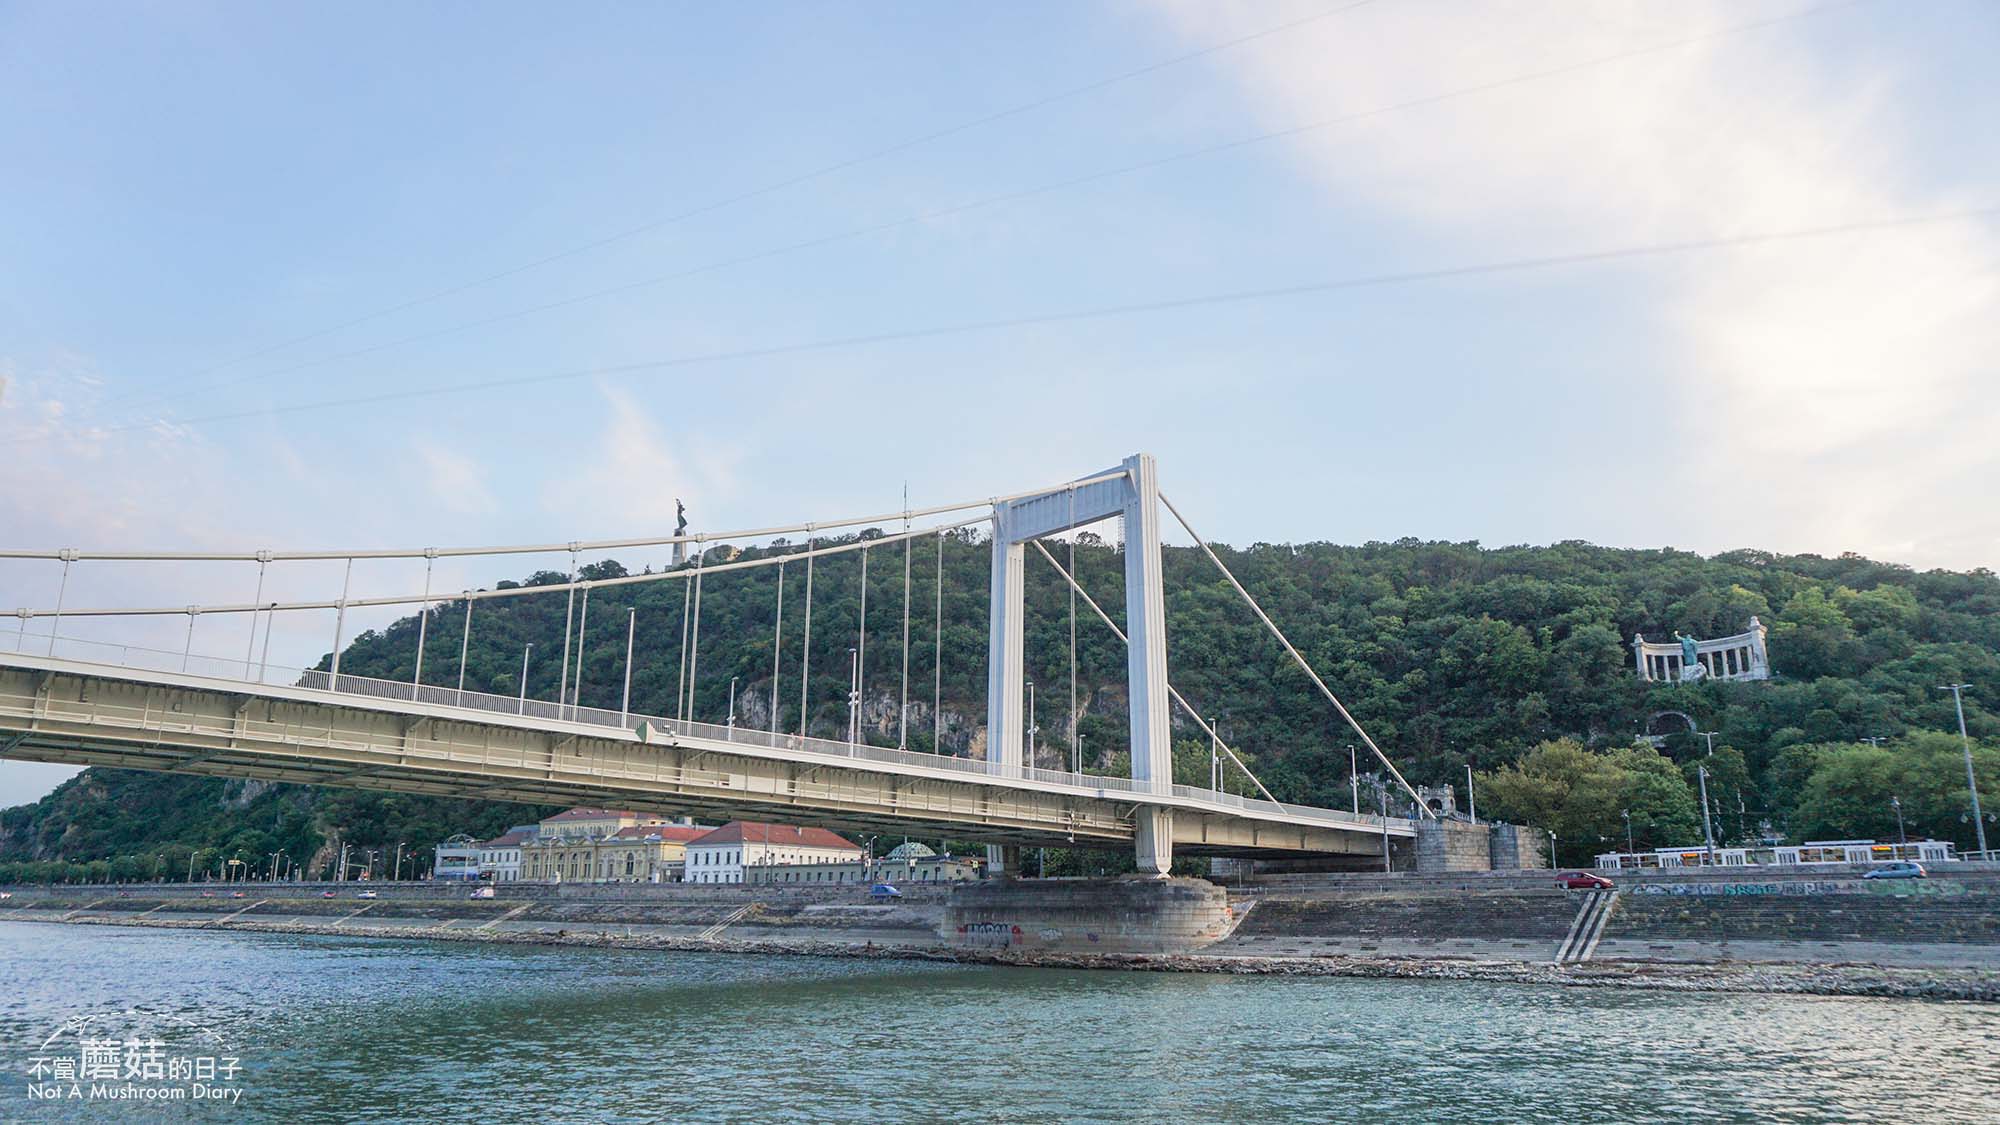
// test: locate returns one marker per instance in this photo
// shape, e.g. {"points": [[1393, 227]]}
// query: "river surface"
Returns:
{"points": [[359, 1029]]}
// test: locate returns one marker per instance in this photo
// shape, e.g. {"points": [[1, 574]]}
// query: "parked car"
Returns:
{"points": [[367, 894], [884, 890], [1582, 881], [1900, 869]]}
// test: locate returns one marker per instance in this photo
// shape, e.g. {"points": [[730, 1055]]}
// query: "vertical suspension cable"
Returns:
{"points": [[777, 645], [465, 645], [861, 649], [631, 634], [250, 649], [185, 651], [806, 646], [1075, 752], [423, 618], [569, 623], [582, 623], [680, 689], [339, 623], [937, 659], [903, 708], [61, 589], [270, 619], [694, 644]]}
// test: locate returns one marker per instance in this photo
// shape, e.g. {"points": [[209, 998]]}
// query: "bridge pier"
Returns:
{"points": [[1134, 914]]}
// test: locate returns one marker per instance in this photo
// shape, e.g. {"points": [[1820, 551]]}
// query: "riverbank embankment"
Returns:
{"points": [[1835, 935]]}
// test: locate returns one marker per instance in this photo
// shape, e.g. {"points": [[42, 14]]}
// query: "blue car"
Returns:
{"points": [[1898, 870], [884, 890]]}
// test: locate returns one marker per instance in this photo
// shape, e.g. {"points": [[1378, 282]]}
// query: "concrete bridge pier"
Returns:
{"points": [[1133, 914]]}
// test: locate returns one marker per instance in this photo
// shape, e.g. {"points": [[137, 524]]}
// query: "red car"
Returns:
{"points": [[326, 894], [1582, 881]]}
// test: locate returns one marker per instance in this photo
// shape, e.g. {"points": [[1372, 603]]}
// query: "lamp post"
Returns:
{"points": [[1353, 780], [399, 861], [1031, 724], [854, 696], [1710, 736], [1471, 801], [1896, 803], [1629, 849], [1552, 849], [1214, 760], [1971, 782], [732, 707], [1383, 795], [1707, 828]]}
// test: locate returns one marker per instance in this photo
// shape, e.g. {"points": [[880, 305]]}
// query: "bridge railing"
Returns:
{"points": [[401, 691]]}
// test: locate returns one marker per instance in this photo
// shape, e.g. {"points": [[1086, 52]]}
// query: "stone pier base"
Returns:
{"points": [[1129, 915]]}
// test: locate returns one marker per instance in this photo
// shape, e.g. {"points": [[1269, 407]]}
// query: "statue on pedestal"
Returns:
{"points": [[1691, 667]]}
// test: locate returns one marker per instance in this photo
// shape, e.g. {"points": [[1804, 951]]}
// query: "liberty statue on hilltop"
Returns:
{"points": [[680, 531]]}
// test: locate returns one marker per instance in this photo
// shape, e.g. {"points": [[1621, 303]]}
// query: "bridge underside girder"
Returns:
{"points": [[107, 721]]}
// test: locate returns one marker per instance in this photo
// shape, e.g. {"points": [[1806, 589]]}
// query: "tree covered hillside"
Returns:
{"points": [[1451, 654]]}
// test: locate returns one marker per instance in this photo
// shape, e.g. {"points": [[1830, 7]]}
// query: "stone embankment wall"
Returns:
{"points": [[814, 909], [1130, 915]]}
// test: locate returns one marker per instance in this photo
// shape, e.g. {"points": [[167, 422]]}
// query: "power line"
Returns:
{"points": [[780, 185], [1004, 198], [1367, 281]]}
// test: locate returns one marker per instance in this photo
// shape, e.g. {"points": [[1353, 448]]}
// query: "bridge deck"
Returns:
{"points": [[393, 736]]}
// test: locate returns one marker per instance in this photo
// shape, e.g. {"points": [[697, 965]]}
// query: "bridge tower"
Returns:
{"points": [[1133, 491]]}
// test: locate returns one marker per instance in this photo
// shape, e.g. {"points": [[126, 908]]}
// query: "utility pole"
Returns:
{"points": [[1353, 780], [1471, 801], [1971, 781]]}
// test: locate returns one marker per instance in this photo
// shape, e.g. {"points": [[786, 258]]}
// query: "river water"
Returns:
{"points": [[340, 1029]]}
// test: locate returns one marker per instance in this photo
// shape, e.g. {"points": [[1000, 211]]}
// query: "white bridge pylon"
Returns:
{"points": [[1132, 491]]}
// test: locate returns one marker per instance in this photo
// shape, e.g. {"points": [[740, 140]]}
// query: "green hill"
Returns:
{"points": [[1450, 653]]}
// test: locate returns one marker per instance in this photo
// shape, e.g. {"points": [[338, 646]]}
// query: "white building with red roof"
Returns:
{"points": [[722, 856], [590, 845]]}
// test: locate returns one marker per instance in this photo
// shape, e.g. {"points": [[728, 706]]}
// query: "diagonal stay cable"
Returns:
{"points": [[1302, 663], [1171, 690]]}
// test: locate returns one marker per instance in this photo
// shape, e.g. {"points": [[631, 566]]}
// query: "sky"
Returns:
{"points": [[784, 260]]}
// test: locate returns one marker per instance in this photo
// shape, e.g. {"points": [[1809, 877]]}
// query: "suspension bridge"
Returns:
{"points": [[68, 698]]}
